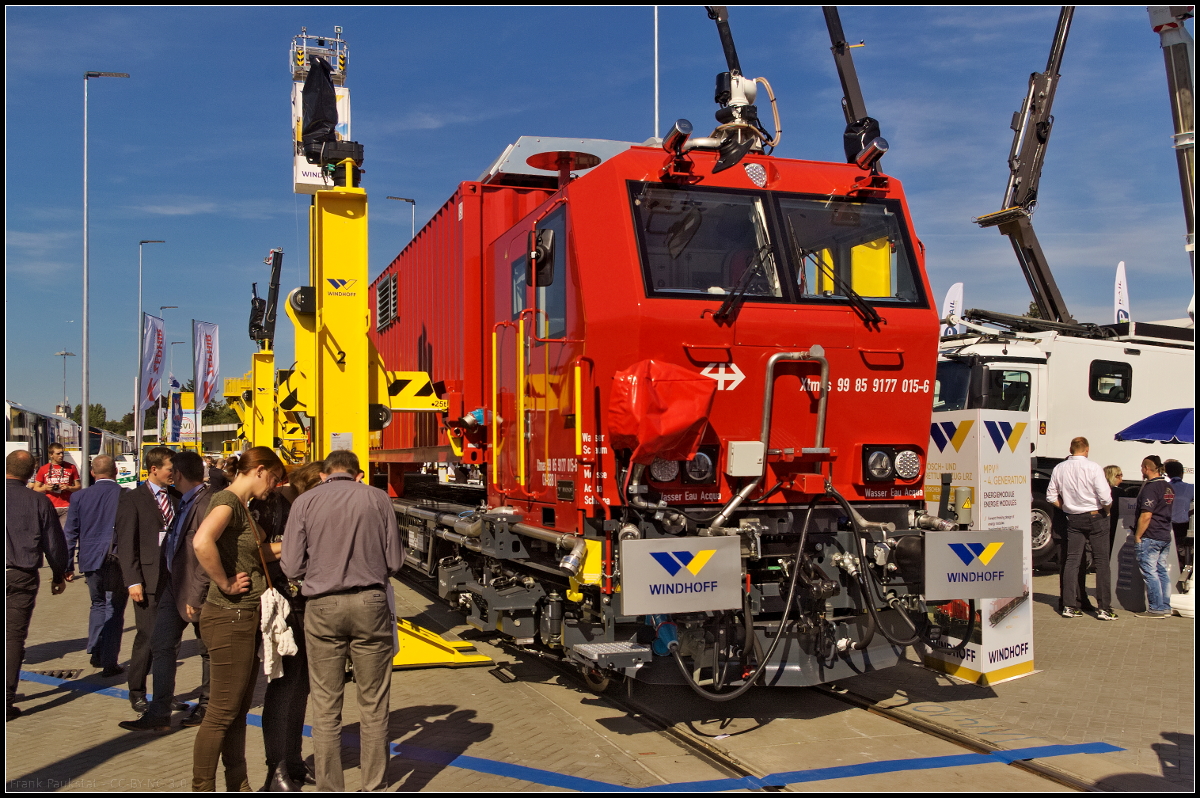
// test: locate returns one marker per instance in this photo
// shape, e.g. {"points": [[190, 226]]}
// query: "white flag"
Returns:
{"points": [[207, 363], [953, 303], [153, 359], [1121, 296]]}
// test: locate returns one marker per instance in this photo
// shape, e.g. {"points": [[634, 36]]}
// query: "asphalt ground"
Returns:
{"points": [[1100, 686]]}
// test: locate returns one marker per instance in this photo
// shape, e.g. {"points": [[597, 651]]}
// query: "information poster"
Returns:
{"points": [[986, 451]]}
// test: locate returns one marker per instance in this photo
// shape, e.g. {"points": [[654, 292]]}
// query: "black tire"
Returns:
{"points": [[1046, 530]]}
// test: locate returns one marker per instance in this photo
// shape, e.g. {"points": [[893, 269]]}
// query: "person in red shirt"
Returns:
{"points": [[58, 480]]}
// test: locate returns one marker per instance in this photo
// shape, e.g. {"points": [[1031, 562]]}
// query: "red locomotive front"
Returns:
{"points": [[689, 392]]}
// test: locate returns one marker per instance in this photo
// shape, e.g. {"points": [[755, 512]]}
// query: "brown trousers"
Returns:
{"points": [[232, 639]]}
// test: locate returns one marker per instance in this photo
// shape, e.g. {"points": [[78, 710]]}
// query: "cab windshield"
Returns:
{"points": [[767, 247]]}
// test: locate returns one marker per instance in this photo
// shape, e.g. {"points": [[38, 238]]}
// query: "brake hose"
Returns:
{"points": [[868, 594], [762, 665]]}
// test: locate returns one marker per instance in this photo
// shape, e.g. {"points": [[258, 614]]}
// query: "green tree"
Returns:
{"points": [[1033, 311], [97, 415]]}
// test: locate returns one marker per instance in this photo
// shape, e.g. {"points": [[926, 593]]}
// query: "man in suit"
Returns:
{"points": [[144, 515], [91, 520], [184, 580]]}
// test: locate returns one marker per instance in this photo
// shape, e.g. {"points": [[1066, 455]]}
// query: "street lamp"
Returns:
{"points": [[158, 404], [138, 419], [86, 452], [64, 355], [414, 213]]}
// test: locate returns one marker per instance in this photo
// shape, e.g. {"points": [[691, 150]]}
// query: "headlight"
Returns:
{"points": [[664, 470], [877, 463], [908, 464], [700, 468]]}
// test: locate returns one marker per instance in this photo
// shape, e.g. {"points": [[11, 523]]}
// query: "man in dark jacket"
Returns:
{"points": [[91, 520], [183, 578], [31, 531], [144, 515]]}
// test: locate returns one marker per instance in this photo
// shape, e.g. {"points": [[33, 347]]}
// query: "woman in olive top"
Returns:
{"points": [[231, 550]]}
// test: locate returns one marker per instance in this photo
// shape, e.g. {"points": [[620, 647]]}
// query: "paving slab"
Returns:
{"points": [[1130, 683]]}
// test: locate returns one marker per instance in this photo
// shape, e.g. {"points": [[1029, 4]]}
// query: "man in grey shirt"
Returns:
{"points": [[343, 541]]}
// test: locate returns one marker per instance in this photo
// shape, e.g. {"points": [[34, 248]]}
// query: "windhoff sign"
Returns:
{"points": [[973, 565], [680, 575]]}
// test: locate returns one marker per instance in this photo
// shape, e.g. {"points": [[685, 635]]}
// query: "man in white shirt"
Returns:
{"points": [[1079, 488]]}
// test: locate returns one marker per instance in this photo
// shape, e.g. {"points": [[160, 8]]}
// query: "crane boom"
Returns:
{"points": [[1031, 135], [1179, 54], [861, 140]]}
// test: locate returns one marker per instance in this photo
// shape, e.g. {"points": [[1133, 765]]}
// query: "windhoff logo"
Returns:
{"points": [[948, 433], [341, 287], [1005, 434], [675, 561], [968, 553]]}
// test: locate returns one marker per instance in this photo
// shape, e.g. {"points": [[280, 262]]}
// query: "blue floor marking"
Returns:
{"points": [[563, 781]]}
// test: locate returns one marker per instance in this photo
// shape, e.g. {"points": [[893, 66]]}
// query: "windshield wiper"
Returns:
{"points": [[738, 291], [862, 307]]}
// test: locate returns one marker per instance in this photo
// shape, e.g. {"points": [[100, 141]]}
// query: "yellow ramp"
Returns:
{"points": [[421, 648]]}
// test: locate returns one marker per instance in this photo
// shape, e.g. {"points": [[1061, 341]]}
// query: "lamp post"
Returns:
{"points": [[414, 214], [158, 404], [85, 454], [64, 355], [138, 418]]}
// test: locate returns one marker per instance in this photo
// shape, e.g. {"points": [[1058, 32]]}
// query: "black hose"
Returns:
{"points": [[864, 578], [787, 608]]}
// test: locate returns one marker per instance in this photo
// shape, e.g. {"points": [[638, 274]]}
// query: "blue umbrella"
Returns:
{"points": [[1169, 426]]}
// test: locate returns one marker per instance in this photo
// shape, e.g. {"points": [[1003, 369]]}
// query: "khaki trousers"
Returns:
{"points": [[232, 640], [354, 627]]}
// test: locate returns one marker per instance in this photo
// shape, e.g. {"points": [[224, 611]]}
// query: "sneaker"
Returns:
{"points": [[1106, 615], [1152, 614], [1071, 612]]}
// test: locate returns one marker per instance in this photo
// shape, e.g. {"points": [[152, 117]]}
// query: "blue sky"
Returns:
{"points": [[195, 147]]}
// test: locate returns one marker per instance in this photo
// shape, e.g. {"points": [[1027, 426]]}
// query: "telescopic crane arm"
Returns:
{"points": [[1179, 51], [1031, 134], [861, 140], [262, 313]]}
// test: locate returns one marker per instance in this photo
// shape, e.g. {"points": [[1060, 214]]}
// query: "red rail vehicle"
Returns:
{"points": [[670, 368]]}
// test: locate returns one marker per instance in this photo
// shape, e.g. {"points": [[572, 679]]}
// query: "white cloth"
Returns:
{"points": [[1080, 484], [278, 641]]}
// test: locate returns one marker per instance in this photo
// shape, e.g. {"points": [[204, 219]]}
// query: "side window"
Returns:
{"points": [[1110, 381], [519, 267], [552, 298], [1007, 390]]}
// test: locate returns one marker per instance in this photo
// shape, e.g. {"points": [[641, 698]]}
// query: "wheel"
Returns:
{"points": [[1045, 530], [599, 681]]}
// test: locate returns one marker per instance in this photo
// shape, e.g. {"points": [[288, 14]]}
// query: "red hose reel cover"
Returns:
{"points": [[659, 410]]}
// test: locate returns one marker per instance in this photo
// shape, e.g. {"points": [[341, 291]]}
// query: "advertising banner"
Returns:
{"points": [[953, 303], [986, 451], [1121, 296], [153, 359], [206, 362], [176, 416], [680, 575]]}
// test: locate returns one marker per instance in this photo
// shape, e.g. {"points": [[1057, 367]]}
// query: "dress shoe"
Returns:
{"points": [[194, 718], [278, 780], [179, 706], [95, 660], [302, 773], [139, 705], [111, 671], [147, 723], [12, 713]]}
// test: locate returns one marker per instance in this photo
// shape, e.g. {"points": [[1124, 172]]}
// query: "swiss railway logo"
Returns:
{"points": [[969, 552], [1005, 434], [675, 561], [948, 433]]}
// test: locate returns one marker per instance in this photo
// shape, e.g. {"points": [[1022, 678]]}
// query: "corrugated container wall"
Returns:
{"points": [[443, 320]]}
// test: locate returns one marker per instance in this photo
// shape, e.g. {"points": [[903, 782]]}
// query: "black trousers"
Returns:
{"points": [[20, 593], [285, 703], [1084, 529], [145, 614]]}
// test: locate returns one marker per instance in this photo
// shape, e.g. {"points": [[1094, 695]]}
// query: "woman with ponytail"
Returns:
{"points": [[232, 551]]}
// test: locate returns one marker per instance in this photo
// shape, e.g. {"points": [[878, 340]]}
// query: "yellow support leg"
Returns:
{"points": [[421, 648]]}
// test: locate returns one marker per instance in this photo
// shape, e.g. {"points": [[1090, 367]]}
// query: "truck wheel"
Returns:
{"points": [[1044, 531], [599, 681]]}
